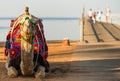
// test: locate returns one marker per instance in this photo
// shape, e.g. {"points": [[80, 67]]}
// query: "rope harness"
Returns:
{"points": [[28, 37]]}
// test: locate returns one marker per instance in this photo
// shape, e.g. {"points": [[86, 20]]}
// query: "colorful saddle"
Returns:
{"points": [[13, 40]]}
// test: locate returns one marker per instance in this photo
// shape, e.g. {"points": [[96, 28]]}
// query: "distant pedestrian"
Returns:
{"points": [[107, 10], [99, 14], [94, 17], [90, 14]]}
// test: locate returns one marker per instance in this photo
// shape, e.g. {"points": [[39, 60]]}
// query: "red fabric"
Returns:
{"points": [[12, 22], [6, 52], [16, 38], [13, 52], [45, 55], [8, 36]]}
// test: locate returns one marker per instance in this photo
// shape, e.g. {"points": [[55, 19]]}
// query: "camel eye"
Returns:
{"points": [[33, 25]]}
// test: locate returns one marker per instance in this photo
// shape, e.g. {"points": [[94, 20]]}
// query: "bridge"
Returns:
{"points": [[100, 32], [97, 57]]}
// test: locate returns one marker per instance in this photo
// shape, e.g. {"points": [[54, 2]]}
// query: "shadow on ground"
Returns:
{"points": [[106, 69]]}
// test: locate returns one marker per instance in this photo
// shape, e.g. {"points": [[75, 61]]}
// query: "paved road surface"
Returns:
{"points": [[96, 62]]}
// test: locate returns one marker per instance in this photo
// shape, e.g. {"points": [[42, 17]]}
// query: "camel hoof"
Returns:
{"points": [[12, 72], [40, 74]]}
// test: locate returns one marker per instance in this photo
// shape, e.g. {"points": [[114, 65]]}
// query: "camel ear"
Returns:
{"points": [[34, 19], [35, 22]]}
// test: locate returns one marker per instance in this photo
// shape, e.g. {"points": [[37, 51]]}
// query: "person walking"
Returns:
{"points": [[90, 15], [94, 17], [99, 14], [107, 10]]}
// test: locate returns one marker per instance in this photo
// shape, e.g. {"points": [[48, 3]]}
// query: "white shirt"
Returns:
{"points": [[90, 13], [107, 11]]}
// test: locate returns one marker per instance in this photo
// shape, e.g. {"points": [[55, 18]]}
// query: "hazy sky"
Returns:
{"points": [[54, 8]]}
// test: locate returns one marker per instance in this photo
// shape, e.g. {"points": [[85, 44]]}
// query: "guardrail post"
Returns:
{"points": [[82, 24]]}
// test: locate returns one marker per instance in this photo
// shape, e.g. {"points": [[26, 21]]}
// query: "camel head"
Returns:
{"points": [[28, 27]]}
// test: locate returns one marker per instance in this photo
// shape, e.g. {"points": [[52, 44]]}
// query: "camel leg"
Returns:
{"points": [[11, 71], [40, 73]]}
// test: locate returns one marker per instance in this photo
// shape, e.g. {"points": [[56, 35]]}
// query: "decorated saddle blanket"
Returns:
{"points": [[13, 40]]}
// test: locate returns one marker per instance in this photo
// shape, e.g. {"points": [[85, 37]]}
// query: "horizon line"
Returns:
{"points": [[44, 18]]}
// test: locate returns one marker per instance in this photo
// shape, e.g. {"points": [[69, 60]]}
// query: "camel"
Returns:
{"points": [[27, 61]]}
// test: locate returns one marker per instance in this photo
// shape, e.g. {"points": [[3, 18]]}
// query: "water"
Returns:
{"points": [[54, 28]]}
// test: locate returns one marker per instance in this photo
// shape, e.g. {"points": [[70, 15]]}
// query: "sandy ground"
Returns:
{"points": [[59, 59], [78, 62]]}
